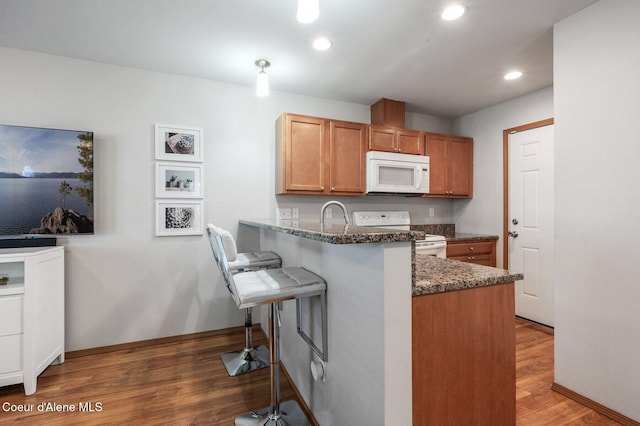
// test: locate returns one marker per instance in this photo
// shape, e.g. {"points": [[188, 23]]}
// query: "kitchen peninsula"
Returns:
{"points": [[370, 292]]}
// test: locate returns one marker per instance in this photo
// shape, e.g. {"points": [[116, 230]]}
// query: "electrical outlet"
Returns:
{"points": [[295, 213], [284, 213], [432, 211]]}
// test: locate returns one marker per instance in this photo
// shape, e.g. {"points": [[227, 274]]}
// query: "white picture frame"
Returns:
{"points": [[178, 143], [175, 218], [178, 180]]}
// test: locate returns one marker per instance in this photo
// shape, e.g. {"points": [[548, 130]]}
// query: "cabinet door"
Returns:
{"points": [[347, 147], [460, 177], [381, 139], [437, 151], [410, 142], [304, 153]]}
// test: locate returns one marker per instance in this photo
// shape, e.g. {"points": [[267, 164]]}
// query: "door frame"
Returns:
{"points": [[505, 181]]}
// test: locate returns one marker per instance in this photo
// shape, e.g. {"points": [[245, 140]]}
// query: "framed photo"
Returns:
{"points": [[177, 180], [176, 143], [178, 218]]}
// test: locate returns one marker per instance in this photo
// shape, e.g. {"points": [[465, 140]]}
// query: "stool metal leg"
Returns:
{"points": [[279, 414], [250, 358]]}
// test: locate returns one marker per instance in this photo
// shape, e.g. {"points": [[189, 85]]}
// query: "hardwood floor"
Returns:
{"points": [[536, 403], [175, 383], [185, 383]]}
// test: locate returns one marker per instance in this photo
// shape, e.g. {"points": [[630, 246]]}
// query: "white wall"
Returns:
{"points": [[124, 284], [597, 102], [483, 213]]}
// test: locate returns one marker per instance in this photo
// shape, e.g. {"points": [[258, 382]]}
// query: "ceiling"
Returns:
{"points": [[381, 49]]}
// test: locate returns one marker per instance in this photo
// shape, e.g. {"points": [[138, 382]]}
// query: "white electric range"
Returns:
{"points": [[431, 245]]}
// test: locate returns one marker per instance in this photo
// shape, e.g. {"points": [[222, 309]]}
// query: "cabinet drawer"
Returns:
{"points": [[466, 249], [483, 259], [10, 315], [11, 354]]}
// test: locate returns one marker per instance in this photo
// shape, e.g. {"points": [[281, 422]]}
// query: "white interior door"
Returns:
{"points": [[531, 221]]}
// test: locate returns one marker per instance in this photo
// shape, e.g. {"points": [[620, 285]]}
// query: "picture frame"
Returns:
{"points": [[178, 218], [177, 180], [178, 143]]}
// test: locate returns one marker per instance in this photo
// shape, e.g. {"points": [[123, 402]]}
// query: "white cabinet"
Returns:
{"points": [[31, 314]]}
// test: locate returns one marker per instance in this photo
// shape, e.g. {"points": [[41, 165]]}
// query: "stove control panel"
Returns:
{"points": [[381, 218]]}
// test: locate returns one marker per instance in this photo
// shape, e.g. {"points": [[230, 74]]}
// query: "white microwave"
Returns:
{"points": [[389, 172]]}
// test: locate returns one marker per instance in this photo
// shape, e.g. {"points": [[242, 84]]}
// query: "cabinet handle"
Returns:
{"points": [[471, 257], [471, 248], [333, 188], [322, 188]]}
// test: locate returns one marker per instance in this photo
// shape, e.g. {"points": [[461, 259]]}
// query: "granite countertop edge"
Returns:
{"points": [[336, 234], [465, 236], [435, 275]]}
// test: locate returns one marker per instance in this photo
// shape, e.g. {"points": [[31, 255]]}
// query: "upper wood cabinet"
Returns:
{"points": [[391, 139], [451, 162], [387, 112], [319, 156], [347, 156]]}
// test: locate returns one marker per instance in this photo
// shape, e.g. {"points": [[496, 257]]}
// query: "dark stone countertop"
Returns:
{"points": [[448, 230], [465, 236], [335, 233], [435, 275]]}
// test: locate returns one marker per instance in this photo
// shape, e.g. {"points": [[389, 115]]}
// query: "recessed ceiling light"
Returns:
{"points": [[453, 12], [321, 43], [512, 75]]}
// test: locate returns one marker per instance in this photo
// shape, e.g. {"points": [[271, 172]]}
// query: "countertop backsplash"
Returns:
{"points": [[448, 229]]}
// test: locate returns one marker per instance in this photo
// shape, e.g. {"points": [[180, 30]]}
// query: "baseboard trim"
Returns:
{"points": [[537, 325], [157, 341], [605, 411]]}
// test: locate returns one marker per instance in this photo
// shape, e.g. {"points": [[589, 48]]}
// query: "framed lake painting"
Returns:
{"points": [[46, 181]]}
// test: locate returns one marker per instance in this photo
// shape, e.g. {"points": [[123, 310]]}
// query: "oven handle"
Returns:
{"points": [[431, 244]]}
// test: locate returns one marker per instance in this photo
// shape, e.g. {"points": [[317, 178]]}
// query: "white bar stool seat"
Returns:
{"points": [[270, 287], [250, 358]]}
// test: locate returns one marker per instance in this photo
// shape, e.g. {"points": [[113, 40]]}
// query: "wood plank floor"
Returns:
{"points": [[185, 383], [536, 403]]}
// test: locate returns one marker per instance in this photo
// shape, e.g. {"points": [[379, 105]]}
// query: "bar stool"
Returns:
{"points": [[250, 358], [270, 287]]}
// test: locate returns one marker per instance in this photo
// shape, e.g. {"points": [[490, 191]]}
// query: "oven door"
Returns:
{"points": [[432, 248]]}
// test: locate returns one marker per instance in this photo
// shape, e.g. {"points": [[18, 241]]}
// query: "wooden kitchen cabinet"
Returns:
{"points": [[320, 156], [347, 155], [479, 251], [451, 162], [392, 139], [31, 314], [463, 345]]}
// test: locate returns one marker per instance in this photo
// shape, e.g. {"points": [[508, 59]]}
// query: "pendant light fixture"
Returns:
{"points": [[308, 11], [262, 83]]}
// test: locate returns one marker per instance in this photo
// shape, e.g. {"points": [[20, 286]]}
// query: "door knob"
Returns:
{"points": [[513, 234]]}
